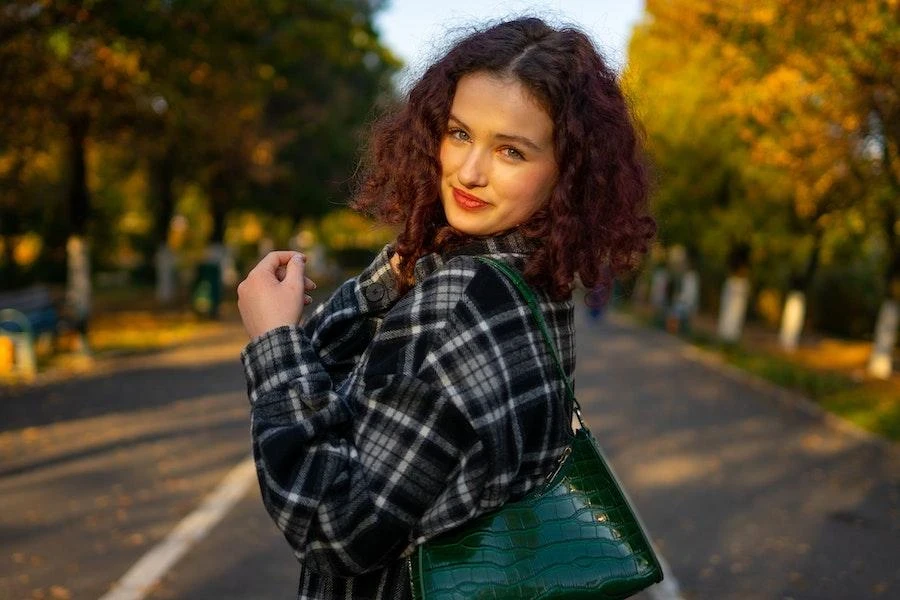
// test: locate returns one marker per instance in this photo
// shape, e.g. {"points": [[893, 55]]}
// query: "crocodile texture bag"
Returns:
{"points": [[576, 536]]}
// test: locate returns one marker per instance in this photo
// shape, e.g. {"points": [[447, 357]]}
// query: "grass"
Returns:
{"points": [[830, 372], [125, 321]]}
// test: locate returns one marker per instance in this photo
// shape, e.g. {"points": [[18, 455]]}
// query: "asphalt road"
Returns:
{"points": [[746, 493]]}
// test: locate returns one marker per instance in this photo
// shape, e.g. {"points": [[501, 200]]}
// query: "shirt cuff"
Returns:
{"points": [[377, 288]]}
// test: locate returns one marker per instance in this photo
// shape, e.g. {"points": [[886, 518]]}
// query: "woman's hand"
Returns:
{"points": [[274, 292]]}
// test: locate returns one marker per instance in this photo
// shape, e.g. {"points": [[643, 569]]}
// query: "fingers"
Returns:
{"points": [[279, 258], [294, 271]]}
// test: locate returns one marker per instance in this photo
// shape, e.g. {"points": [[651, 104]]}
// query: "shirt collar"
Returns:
{"points": [[513, 246]]}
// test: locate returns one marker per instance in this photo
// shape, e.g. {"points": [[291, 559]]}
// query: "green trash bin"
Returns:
{"points": [[207, 294]]}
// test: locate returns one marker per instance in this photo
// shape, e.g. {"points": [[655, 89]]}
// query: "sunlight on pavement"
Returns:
{"points": [[673, 471]]}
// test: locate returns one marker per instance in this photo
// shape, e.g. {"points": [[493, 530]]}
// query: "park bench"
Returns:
{"points": [[25, 315]]}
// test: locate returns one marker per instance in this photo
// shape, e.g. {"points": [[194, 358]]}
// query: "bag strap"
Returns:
{"points": [[525, 290]]}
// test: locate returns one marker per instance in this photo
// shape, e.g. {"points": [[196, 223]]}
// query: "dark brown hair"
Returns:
{"points": [[595, 223]]}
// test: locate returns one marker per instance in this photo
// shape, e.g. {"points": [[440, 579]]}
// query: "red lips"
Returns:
{"points": [[467, 201]]}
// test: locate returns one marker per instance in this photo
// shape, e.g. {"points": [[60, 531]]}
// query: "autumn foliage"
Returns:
{"points": [[775, 125]]}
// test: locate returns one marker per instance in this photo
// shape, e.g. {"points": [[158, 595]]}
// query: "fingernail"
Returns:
{"points": [[312, 285], [298, 258], [307, 300]]}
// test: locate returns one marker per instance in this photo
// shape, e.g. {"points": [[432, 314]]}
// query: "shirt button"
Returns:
{"points": [[374, 292]]}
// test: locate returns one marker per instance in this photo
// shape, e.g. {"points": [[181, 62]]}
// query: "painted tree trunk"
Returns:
{"points": [[792, 319], [880, 362], [733, 309], [78, 288], [78, 261], [166, 276]]}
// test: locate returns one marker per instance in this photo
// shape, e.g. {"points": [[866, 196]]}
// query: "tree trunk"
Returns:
{"points": [[220, 201], [9, 270], [885, 339], [794, 314], [166, 276], [733, 309], [78, 286], [162, 174], [892, 237], [10, 225], [792, 320], [78, 279], [79, 200], [880, 362], [735, 294]]}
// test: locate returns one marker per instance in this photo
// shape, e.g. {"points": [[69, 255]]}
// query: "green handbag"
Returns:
{"points": [[575, 536]]}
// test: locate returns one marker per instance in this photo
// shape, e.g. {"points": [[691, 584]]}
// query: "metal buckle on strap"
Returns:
{"points": [[559, 463]]}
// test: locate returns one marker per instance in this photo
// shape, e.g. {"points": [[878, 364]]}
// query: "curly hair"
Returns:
{"points": [[595, 224]]}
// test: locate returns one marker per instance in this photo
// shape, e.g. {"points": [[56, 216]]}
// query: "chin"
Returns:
{"points": [[466, 227]]}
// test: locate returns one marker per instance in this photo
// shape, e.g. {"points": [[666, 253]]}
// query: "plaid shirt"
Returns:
{"points": [[384, 420]]}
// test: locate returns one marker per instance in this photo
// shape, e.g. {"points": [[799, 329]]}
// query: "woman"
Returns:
{"points": [[421, 394]]}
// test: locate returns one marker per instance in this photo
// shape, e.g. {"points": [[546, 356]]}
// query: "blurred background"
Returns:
{"points": [[150, 153]]}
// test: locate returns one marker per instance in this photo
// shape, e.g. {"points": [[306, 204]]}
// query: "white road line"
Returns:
{"points": [[147, 571]]}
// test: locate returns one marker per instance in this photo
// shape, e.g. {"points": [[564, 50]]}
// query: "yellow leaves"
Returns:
{"points": [[851, 122], [250, 228], [823, 184], [763, 15], [804, 202], [110, 81], [7, 162], [60, 43], [343, 229], [769, 151], [263, 154], [118, 61], [783, 79], [135, 222], [361, 39], [854, 221], [199, 74], [768, 305], [266, 72], [26, 248]]}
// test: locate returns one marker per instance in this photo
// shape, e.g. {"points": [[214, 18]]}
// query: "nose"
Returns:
{"points": [[473, 172]]}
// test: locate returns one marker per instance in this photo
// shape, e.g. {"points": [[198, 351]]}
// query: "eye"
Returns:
{"points": [[512, 153], [458, 134]]}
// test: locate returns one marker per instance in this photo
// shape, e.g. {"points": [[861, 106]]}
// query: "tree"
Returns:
{"points": [[810, 88], [260, 103]]}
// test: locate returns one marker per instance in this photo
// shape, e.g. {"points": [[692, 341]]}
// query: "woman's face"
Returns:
{"points": [[497, 157]]}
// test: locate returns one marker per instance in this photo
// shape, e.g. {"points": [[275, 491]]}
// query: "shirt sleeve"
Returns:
{"points": [[341, 328], [353, 476]]}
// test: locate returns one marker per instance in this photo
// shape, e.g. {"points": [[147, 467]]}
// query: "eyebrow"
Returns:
{"points": [[505, 137]]}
